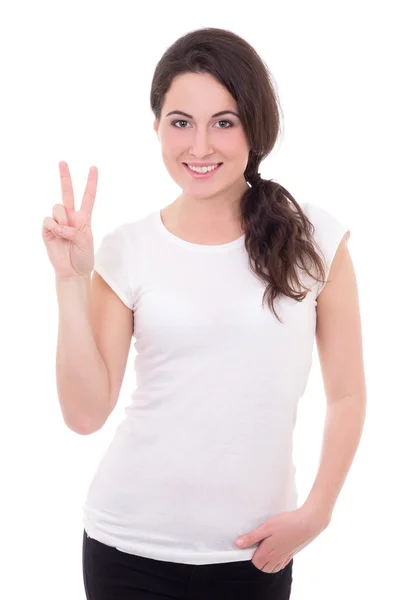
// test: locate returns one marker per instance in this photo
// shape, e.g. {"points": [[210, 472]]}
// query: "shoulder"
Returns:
{"points": [[124, 233], [320, 217], [329, 228]]}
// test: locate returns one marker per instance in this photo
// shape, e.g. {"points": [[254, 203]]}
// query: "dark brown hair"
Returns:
{"points": [[278, 235]]}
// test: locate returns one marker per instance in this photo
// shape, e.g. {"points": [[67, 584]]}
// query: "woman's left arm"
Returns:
{"points": [[339, 343]]}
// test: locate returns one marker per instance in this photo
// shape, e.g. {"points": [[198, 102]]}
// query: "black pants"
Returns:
{"points": [[110, 574]]}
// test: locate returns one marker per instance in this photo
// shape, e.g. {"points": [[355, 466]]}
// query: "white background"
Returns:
{"points": [[75, 79]]}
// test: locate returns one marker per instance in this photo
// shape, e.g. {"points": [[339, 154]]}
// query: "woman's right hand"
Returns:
{"points": [[71, 251]]}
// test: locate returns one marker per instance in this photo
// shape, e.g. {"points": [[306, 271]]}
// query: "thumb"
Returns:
{"points": [[244, 541], [252, 538], [70, 233]]}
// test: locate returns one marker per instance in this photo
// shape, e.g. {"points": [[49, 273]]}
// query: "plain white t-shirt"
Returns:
{"points": [[204, 453]]}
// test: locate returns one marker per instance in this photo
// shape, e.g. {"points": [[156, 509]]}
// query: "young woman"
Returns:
{"points": [[224, 291]]}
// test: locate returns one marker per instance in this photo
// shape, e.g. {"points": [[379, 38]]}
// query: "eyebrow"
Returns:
{"points": [[218, 114]]}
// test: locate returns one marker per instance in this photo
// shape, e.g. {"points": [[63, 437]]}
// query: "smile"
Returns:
{"points": [[206, 175]]}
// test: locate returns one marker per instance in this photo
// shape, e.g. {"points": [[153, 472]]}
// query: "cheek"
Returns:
{"points": [[240, 139], [232, 144], [172, 137], [173, 146]]}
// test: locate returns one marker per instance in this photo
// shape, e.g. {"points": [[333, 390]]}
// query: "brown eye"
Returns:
{"points": [[230, 124], [180, 121]]}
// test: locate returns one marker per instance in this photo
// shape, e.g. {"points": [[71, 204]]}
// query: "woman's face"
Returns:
{"points": [[201, 137]]}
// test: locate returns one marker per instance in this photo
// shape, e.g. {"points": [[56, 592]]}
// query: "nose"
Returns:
{"points": [[201, 146]]}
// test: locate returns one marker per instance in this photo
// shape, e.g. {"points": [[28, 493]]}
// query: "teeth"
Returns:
{"points": [[202, 169]]}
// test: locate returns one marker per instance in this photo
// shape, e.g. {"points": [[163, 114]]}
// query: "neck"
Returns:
{"points": [[220, 209]]}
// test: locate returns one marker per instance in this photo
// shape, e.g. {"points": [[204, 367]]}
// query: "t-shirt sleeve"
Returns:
{"points": [[112, 260], [329, 232]]}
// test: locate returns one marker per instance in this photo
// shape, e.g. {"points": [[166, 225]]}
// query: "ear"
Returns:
{"points": [[155, 126]]}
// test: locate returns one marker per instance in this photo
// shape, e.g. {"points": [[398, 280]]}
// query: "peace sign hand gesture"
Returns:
{"points": [[71, 249]]}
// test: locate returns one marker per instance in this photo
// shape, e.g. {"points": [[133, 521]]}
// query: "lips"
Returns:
{"points": [[206, 175], [211, 165]]}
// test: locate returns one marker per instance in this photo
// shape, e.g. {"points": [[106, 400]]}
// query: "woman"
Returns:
{"points": [[224, 290]]}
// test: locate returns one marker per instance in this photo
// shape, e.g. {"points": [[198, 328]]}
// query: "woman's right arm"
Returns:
{"points": [[82, 376]]}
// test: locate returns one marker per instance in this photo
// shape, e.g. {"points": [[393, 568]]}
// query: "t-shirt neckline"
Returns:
{"points": [[168, 235]]}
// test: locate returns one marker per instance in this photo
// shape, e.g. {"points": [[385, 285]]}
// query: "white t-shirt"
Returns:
{"points": [[205, 451]]}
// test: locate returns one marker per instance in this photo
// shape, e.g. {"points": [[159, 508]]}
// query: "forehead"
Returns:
{"points": [[198, 94]]}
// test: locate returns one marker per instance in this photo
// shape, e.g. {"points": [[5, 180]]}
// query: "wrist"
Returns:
{"points": [[317, 514], [73, 279]]}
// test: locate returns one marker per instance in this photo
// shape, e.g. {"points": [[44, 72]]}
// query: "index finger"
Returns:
{"points": [[90, 192]]}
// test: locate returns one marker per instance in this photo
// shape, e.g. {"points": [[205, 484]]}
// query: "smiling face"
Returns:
{"points": [[201, 136]]}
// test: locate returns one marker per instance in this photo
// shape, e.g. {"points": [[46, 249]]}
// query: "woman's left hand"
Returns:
{"points": [[282, 537]]}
